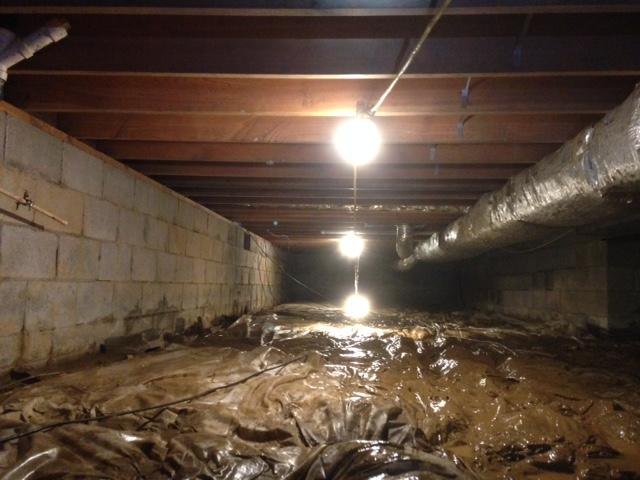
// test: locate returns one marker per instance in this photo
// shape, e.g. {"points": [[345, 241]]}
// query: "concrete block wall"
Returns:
{"points": [[134, 255], [576, 279], [624, 281]]}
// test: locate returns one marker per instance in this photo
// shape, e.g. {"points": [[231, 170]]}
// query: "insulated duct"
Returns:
{"points": [[568, 188], [15, 51]]}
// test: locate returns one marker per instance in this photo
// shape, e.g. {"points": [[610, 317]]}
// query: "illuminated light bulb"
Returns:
{"points": [[356, 306], [351, 245], [357, 141]]}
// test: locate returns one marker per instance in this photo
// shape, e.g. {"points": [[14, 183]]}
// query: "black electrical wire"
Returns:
{"points": [[51, 426]]}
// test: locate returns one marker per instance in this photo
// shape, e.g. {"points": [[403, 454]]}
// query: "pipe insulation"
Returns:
{"points": [[26, 47], [568, 188]]}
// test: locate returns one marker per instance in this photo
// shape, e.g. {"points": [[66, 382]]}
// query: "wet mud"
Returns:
{"points": [[300, 392]]}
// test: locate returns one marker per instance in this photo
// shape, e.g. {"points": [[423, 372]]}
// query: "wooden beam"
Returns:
{"points": [[304, 196], [271, 153], [260, 202], [456, 55], [326, 172], [288, 96], [335, 185], [321, 8], [227, 128], [338, 26]]}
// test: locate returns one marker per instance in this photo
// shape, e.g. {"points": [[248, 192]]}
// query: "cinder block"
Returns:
{"points": [[9, 351], [115, 262], [51, 305], [516, 300], [27, 253], [131, 227], [81, 171], [95, 301], [177, 240], [514, 282], [168, 207], [211, 272], [190, 296], [184, 269], [36, 347], [157, 234], [200, 220], [199, 270], [78, 258], [591, 253], [173, 295], [186, 215], [118, 186], [588, 278], [3, 131], [100, 219], [204, 293], [32, 150], [217, 249], [71, 342], [193, 244], [166, 267], [152, 297], [591, 303], [206, 247], [63, 202], [13, 301], [146, 198], [217, 227], [143, 264], [127, 299]]}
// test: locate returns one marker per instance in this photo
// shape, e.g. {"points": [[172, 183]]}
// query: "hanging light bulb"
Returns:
{"points": [[351, 245], [356, 306], [357, 140]]}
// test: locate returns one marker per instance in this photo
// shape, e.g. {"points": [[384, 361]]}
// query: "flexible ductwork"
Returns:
{"points": [[15, 51], [404, 241], [566, 189]]}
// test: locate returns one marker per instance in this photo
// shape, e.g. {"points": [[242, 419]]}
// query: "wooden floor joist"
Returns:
{"points": [[226, 128], [287, 96], [235, 106], [327, 172], [615, 54], [273, 153]]}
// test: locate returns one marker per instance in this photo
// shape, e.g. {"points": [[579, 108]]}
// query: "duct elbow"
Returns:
{"points": [[22, 49], [404, 241]]}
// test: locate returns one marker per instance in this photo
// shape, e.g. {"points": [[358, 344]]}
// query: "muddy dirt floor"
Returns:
{"points": [[299, 392]]}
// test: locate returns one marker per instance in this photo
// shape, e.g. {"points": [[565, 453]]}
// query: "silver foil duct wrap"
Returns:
{"points": [[568, 188]]}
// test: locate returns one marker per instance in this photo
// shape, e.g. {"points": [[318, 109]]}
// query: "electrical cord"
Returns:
{"points": [[539, 247], [410, 58], [51, 426]]}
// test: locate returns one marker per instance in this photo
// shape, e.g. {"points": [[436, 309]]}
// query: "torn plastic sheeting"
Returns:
{"points": [[565, 189]]}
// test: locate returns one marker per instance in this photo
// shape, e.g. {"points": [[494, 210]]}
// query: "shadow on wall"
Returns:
{"points": [[431, 287]]}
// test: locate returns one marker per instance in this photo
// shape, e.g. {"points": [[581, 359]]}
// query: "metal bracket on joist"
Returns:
{"points": [[464, 93], [518, 49], [463, 120]]}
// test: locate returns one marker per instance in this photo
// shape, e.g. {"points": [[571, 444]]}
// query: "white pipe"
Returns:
{"points": [[25, 48]]}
